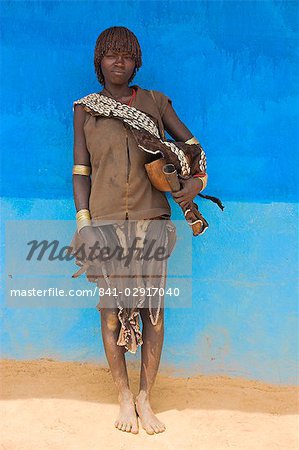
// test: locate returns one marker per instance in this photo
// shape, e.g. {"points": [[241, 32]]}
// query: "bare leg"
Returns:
{"points": [[127, 419], [152, 336]]}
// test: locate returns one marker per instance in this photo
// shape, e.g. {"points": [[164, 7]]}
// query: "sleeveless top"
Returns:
{"points": [[120, 187]]}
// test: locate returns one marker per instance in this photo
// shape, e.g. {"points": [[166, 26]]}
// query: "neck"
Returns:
{"points": [[118, 90]]}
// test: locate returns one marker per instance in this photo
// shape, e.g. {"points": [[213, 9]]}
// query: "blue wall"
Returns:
{"points": [[230, 69]]}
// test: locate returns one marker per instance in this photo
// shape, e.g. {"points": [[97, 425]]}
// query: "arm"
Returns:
{"points": [[179, 132], [174, 126], [81, 183]]}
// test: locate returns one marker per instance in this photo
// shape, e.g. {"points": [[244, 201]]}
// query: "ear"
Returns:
{"points": [[102, 79], [134, 73]]}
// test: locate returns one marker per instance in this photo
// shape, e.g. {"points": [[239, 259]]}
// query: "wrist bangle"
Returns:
{"points": [[82, 211], [192, 140], [82, 224], [200, 175], [83, 219], [203, 178]]}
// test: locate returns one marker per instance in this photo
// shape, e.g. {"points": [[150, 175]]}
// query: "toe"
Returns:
{"points": [[149, 430], [161, 426], [156, 428], [134, 429], [123, 428], [120, 424], [128, 427], [116, 424]]}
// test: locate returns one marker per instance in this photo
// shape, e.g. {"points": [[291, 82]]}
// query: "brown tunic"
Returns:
{"points": [[120, 186], [121, 189]]}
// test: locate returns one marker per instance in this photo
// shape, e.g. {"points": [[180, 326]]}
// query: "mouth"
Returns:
{"points": [[118, 72]]}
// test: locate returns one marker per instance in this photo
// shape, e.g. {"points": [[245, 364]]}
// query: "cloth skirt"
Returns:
{"points": [[130, 269]]}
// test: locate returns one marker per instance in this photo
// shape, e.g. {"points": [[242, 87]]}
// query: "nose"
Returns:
{"points": [[120, 60]]}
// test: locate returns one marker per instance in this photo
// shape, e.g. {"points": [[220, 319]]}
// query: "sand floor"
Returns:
{"points": [[69, 406]]}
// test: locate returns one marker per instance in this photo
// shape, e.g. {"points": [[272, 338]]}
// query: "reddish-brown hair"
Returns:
{"points": [[117, 39]]}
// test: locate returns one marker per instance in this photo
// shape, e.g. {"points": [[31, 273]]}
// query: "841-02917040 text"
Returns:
{"points": [[137, 291]]}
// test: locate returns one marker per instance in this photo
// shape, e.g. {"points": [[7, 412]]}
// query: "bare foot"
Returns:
{"points": [[127, 418], [149, 421]]}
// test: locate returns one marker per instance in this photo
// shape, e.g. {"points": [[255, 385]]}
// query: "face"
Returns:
{"points": [[117, 67]]}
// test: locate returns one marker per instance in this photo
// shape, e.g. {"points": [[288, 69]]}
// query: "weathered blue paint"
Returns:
{"points": [[242, 320], [230, 69]]}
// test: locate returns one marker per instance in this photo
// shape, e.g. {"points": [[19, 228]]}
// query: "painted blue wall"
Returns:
{"points": [[230, 69]]}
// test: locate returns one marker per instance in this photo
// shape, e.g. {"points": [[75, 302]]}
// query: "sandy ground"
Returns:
{"points": [[61, 405]]}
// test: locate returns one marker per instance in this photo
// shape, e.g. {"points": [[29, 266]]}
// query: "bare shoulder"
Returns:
{"points": [[79, 116], [83, 101], [87, 98], [81, 107], [79, 110], [159, 95]]}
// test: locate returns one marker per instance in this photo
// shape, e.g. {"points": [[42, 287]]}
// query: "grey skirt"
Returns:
{"points": [[130, 269]]}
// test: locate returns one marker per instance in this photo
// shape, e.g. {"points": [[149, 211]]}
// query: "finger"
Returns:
{"points": [[178, 193], [183, 199], [176, 201], [184, 205]]}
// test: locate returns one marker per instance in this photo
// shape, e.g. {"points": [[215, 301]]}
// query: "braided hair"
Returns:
{"points": [[118, 39]]}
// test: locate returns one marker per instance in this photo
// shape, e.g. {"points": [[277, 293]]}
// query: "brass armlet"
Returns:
{"points": [[192, 140], [80, 169]]}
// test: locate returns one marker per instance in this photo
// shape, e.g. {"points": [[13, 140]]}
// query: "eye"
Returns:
{"points": [[109, 54]]}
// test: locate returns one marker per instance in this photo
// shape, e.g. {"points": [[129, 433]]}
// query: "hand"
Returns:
{"points": [[89, 237], [191, 187]]}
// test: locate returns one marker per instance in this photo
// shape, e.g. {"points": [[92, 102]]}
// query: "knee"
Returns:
{"points": [[110, 318]]}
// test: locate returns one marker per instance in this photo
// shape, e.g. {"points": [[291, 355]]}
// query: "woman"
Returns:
{"points": [[120, 190]]}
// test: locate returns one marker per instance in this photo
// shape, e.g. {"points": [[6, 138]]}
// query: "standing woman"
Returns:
{"points": [[111, 184]]}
